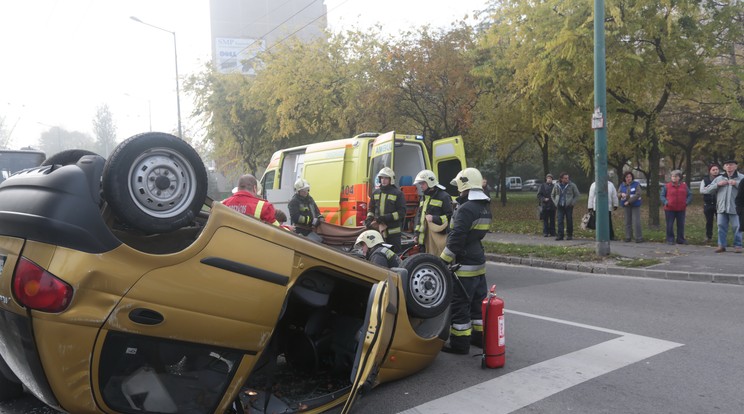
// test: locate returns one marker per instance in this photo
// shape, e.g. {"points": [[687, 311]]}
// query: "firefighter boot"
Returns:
{"points": [[457, 345], [476, 339]]}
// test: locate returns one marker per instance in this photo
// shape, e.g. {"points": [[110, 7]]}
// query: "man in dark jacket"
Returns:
{"points": [[303, 212], [371, 244], [546, 204], [387, 209], [433, 214], [470, 223], [709, 200], [565, 195]]}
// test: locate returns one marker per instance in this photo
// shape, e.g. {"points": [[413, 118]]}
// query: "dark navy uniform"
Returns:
{"points": [[388, 205]]}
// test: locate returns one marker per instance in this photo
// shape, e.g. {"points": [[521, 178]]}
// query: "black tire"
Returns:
{"points": [[67, 157], [428, 287], [155, 182], [10, 386]]}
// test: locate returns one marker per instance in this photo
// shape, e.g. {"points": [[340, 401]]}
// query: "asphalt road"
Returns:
{"points": [[584, 343]]}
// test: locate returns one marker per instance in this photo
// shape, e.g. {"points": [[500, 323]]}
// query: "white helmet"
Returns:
{"points": [[301, 184], [369, 237], [467, 179], [387, 172], [428, 177]]}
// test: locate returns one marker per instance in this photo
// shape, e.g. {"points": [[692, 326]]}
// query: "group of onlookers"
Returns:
{"points": [[721, 200]]}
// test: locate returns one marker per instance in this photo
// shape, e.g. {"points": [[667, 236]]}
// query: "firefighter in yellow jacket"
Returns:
{"points": [[470, 223], [387, 209], [433, 214]]}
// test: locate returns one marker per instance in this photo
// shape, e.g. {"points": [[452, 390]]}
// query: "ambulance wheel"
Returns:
{"points": [[428, 287], [155, 182]]}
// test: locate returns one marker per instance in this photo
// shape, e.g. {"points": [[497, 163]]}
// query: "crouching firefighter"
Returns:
{"points": [[470, 223], [371, 244]]}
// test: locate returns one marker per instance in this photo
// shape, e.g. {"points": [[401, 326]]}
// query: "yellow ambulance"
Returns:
{"points": [[343, 173]]}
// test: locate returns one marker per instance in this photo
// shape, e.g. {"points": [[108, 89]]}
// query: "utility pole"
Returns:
{"points": [[599, 124]]}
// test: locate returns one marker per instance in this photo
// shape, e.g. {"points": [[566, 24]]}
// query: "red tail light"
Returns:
{"points": [[38, 289], [361, 213]]}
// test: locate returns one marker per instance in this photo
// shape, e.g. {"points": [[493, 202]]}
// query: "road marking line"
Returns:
{"points": [[528, 385]]}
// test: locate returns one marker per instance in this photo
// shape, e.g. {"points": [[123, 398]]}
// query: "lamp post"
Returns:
{"points": [[175, 53]]}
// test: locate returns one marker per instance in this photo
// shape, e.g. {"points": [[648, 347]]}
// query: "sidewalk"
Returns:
{"points": [[679, 262]]}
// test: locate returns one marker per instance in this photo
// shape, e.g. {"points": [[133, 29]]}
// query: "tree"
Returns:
{"points": [[58, 139], [104, 130], [436, 89], [655, 49]]}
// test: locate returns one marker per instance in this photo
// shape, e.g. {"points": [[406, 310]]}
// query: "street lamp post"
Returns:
{"points": [[175, 53]]}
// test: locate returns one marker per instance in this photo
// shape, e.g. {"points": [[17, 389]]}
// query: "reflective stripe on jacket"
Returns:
{"points": [[470, 224], [388, 205], [436, 202], [250, 205]]}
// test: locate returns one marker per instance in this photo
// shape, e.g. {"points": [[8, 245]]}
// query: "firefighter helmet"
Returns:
{"points": [[301, 184], [387, 172], [467, 179], [428, 177], [369, 237]]}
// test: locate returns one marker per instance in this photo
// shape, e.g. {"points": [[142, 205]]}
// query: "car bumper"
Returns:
{"points": [[19, 351]]}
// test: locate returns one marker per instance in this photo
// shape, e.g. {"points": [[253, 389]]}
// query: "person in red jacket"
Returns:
{"points": [[247, 202], [675, 196]]}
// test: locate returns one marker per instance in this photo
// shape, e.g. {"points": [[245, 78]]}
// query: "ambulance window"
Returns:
{"points": [[378, 163], [267, 182], [447, 172]]}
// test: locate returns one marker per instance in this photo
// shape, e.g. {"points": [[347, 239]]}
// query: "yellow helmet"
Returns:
{"points": [[467, 179], [301, 184], [387, 172], [428, 177], [369, 237]]}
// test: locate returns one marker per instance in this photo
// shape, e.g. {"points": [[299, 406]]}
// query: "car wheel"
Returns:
{"points": [[67, 157], [155, 182], [428, 287], [10, 387]]}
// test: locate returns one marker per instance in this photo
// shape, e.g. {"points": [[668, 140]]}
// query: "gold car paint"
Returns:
{"points": [[98, 293], [409, 353], [376, 339]]}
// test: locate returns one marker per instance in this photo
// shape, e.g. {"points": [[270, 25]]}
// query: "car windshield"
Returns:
{"points": [[14, 161]]}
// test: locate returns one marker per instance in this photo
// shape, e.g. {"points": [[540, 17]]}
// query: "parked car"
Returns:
{"points": [[531, 185], [513, 184], [124, 289]]}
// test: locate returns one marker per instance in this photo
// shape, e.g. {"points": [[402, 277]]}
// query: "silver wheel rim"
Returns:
{"points": [[162, 183], [427, 286]]}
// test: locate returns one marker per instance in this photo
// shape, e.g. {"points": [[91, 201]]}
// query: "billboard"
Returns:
{"points": [[237, 55]]}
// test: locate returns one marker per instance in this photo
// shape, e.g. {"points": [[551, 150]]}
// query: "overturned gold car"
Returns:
{"points": [[123, 288]]}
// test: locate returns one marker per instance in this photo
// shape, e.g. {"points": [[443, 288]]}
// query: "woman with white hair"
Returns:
{"points": [[675, 196]]}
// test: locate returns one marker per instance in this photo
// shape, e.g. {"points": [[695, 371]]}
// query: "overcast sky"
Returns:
{"points": [[61, 59]]}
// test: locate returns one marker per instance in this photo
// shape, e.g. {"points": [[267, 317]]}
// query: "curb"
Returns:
{"points": [[602, 269]]}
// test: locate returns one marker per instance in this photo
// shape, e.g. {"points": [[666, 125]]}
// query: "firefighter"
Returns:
{"points": [[247, 202], [470, 223], [433, 214], [370, 242], [387, 209], [303, 212]]}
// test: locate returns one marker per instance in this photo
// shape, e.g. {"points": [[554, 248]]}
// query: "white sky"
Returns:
{"points": [[61, 59]]}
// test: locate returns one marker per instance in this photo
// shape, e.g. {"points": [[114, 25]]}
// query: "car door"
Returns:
{"points": [[381, 155], [448, 159], [379, 324], [191, 323]]}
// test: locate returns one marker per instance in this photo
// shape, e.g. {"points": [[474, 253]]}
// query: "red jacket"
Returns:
{"points": [[676, 196], [250, 205]]}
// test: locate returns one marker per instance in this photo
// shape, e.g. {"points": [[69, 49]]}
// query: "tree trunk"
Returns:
{"points": [[652, 180]]}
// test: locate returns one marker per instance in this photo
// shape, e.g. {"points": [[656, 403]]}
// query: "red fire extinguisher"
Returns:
{"points": [[494, 344]]}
